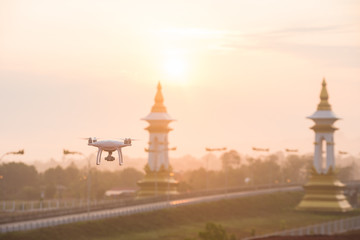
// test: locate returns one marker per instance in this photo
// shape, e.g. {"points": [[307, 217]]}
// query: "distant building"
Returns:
{"points": [[324, 119], [158, 128], [323, 191], [159, 178]]}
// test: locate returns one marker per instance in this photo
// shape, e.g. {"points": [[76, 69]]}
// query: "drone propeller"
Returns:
{"points": [[83, 138], [87, 138], [90, 139], [132, 139]]}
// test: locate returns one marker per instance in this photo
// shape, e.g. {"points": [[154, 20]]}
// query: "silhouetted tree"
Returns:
{"points": [[295, 168], [16, 176], [229, 159], [215, 232]]}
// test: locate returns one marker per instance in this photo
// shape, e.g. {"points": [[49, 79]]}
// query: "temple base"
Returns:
{"points": [[157, 184], [324, 193]]}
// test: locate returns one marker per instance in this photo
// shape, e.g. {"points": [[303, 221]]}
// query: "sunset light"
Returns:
{"points": [[114, 106], [244, 55], [175, 69]]}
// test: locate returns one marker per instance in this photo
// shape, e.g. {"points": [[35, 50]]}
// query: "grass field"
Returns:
{"points": [[262, 214]]}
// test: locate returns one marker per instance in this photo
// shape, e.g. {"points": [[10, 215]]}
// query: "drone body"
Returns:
{"points": [[109, 146]]}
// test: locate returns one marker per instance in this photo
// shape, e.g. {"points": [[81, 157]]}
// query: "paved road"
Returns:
{"points": [[95, 215]]}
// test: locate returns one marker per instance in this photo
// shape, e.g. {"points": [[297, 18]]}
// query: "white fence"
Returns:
{"points": [[47, 222], [32, 206], [327, 228], [102, 214]]}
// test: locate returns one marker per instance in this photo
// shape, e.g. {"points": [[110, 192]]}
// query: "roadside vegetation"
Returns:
{"points": [[19, 181]]}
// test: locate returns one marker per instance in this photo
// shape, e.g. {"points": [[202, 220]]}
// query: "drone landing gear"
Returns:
{"points": [[109, 157]]}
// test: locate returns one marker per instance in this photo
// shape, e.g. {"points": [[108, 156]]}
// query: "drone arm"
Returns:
{"points": [[98, 157], [120, 156]]}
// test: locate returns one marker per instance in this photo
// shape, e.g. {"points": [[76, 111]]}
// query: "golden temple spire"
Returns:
{"points": [[324, 104], [159, 101]]}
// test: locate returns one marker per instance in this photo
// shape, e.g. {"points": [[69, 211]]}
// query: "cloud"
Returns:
{"points": [[309, 29], [334, 45]]}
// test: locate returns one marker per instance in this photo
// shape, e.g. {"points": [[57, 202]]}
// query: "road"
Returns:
{"points": [[102, 214]]}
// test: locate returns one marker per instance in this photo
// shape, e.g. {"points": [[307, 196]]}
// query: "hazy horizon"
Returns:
{"points": [[237, 75]]}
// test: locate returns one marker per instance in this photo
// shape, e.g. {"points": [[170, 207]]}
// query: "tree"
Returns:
{"points": [[264, 171], [296, 167], [196, 179], [54, 176], [29, 193], [229, 158], [346, 173], [215, 232], [16, 176]]}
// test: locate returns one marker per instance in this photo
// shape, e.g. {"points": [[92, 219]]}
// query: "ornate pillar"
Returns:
{"points": [[323, 191], [159, 178]]}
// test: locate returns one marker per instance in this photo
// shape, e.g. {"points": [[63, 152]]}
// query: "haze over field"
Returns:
{"points": [[235, 74]]}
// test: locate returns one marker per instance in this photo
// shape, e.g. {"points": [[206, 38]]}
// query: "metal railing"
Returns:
{"points": [[327, 228], [128, 210], [46, 205], [47, 222], [20, 211]]}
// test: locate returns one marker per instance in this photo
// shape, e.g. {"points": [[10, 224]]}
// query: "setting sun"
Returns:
{"points": [[175, 66], [175, 69]]}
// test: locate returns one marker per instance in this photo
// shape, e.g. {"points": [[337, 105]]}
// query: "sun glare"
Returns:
{"points": [[175, 69], [174, 66]]}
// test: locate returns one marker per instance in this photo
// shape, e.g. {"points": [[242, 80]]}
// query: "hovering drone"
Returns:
{"points": [[109, 146]]}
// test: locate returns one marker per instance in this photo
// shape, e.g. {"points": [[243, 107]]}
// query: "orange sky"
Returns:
{"points": [[234, 73]]}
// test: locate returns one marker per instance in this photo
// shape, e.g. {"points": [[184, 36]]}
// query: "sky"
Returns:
{"points": [[235, 74]]}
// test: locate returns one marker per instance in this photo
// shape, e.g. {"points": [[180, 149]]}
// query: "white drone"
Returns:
{"points": [[109, 146]]}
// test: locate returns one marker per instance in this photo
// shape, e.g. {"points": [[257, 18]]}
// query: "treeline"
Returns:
{"points": [[23, 182], [240, 171]]}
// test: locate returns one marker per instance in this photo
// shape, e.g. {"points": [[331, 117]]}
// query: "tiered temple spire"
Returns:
{"points": [[324, 96], [324, 130], [159, 177], [159, 101], [323, 191]]}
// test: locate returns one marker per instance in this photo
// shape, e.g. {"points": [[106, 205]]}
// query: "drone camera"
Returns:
{"points": [[109, 158]]}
